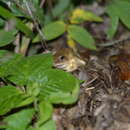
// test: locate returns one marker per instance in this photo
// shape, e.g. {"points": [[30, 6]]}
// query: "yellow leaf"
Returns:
{"points": [[80, 16], [71, 43]]}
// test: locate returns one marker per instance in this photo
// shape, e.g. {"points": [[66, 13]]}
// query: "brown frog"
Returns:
{"points": [[69, 60]]}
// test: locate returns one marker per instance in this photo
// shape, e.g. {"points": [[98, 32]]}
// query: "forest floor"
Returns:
{"points": [[104, 100]]}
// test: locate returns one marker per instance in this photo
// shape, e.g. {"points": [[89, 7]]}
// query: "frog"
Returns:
{"points": [[69, 60]]}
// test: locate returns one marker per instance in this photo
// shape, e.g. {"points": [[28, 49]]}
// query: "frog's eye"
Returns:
{"points": [[62, 58]]}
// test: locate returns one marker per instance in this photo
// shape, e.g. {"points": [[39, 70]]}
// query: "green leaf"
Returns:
{"points": [[19, 120], [49, 125], [60, 7], [2, 22], [37, 12], [114, 21], [52, 30], [55, 86], [118, 9], [28, 66], [6, 37], [3, 53], [10, 97], [47, 19], [81, 36], [8, 63], [26, 101], [16, 10], [45, 111], [18, 23], [123, 8], [114, 24], [19, 69]]}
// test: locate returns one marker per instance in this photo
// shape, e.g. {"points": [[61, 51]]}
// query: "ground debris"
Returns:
{"points": [[104, 102]]}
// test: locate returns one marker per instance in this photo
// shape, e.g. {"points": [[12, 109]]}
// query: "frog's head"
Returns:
{"points": [[67, 60]]}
